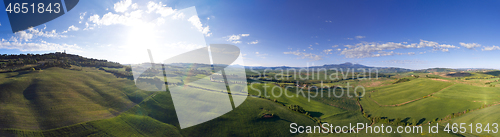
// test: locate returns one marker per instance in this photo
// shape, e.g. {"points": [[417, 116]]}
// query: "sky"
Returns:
{"points": [[409, 34]]}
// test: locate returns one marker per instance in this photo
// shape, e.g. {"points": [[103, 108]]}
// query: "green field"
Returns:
{"points": [[87, 101], [246, 121], [69, 102], [457, 98], [156, 117], [483, 116], [122, 125], [57, 97], [322, 110], [406, 91]]}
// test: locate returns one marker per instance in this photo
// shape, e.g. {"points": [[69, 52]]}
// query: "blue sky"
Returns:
{"points": [[409, 34]]}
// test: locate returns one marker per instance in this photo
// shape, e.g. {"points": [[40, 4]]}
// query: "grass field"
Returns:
{"points": [[456, 98], [122, 125], [58, 97], [246, 121], [154, 115], [66, 100], [91, 102], [483, 116], [406, 91], [321, 110]]}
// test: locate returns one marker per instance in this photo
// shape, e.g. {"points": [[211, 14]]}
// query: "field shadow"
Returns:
{"points": [[315, 114], [421, 121], [19, 74], [494, 73], [272, 119], [406, 120], [30, 92], [459, 74]]}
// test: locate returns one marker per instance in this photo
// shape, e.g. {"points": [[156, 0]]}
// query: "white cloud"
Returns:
{"points": [[134, 17], [111, 19], [404, 61], [31, 33], [310, 47], [159, 8], [236, 38], [491, 48], [178, 15], [134, 6], [360, 37], [303, 55], [122, 6], [156, 11], [40, 46], [82, 16], [21, 35], [25, 40], [470, 45], [71, 28], [87, 26], [254, 42], [365, 49], [195, 21], [328, 21], [356, 37], [261, 55], [328, 51]]}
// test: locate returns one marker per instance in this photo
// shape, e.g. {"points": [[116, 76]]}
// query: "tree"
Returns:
{"points": [[297, 108], [128, 69]]}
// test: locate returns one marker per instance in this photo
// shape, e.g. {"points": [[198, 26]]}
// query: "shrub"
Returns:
{"points": [[402, 80], [297, 108]]}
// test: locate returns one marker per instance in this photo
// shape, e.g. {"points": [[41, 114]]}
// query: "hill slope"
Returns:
{"points": [[57, 97]]}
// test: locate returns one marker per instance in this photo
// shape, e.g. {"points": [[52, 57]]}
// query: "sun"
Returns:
{"points": [[142, 37]]}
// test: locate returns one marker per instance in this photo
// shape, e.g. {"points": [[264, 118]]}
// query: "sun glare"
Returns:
{"points": [[141, 37]]}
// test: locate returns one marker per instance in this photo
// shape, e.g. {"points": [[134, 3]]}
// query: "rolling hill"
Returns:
{"points": [[56, 97]]}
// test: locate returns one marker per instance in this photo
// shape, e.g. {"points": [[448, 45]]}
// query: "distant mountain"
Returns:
{"points": [[343, 66]]}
